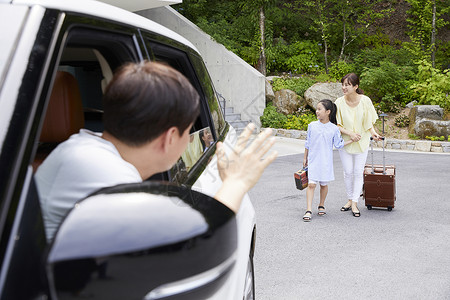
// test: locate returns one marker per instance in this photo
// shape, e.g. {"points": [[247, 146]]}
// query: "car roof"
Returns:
{"points": [[109, 12]]}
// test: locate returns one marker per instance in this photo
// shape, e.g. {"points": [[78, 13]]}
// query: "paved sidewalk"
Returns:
{"points": [[394, 144], [290, 146]]}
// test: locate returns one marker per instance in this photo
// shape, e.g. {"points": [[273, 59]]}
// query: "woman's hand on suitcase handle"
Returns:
{"points": [[375, 135]]}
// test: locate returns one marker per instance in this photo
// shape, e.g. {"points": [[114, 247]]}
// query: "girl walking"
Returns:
{"points": [[322, 135]]}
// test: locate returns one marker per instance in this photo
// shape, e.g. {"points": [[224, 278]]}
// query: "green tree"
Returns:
{"points": [[425, 18], [356, 16], [432, 86], [321, 14], [345, 20], [257, 8]]}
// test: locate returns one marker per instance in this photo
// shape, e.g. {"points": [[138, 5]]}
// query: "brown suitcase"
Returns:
{"points": [[379, 184]]}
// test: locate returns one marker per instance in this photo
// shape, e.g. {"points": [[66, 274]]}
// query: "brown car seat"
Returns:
{"points": [[63, 118]]}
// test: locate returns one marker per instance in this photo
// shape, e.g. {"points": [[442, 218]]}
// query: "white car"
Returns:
{"points": [[171, 240]]}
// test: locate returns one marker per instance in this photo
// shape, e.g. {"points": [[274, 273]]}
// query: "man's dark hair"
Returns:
{"points": [[145, 99]]}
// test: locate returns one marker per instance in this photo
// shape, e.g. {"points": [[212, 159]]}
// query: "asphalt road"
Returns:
{"points": [[401, 254]]}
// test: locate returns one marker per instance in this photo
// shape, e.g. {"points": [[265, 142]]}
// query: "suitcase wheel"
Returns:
{"points": [[389, 208], [369, 207]]}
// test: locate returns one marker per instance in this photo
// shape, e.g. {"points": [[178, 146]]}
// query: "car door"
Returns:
{"points": [[50, 42]]}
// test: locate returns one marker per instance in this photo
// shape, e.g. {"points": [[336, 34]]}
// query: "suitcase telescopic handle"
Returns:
{"points": [[384, 161]]}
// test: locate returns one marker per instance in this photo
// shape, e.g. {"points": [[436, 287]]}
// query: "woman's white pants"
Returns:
{"points": [[353, 165]]}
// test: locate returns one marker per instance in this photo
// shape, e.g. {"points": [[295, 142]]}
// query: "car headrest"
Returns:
{"points": [[64, 115]]}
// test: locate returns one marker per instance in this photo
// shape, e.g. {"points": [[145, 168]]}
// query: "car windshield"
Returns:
{"points": [[11, 17]]}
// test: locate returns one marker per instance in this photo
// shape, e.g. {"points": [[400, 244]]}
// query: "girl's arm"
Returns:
{"points": [[348, 142], [305, 158]]}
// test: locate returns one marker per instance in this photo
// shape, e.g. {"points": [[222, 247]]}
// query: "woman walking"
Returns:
{"points": [[356, 117]]}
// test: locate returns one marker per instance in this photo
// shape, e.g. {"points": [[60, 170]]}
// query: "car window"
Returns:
{"points": [[210, 94], [83, 69], [204, 127]]}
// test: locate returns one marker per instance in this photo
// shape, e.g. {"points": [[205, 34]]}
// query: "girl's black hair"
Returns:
{"points": [[329, 105]]}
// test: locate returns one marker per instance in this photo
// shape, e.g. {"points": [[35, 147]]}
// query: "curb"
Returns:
{"points": [[395, 144]]}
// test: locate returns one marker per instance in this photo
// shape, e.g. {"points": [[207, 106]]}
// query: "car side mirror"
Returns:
{"points": [[143, 241]]}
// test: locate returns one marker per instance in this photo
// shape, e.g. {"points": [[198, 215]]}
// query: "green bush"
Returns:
{"points": [[276, 56], [432, 86], [372, 58], [339, 69], [299, 122], [297, 84], [388, 85], [435, 138], [297, 58], [271, 118], [401, 120], [389, 103]]}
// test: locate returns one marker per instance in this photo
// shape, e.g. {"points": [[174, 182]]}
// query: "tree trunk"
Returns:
{"points": [[344, 40], [433, 35], [325, 53], [262, 54]]}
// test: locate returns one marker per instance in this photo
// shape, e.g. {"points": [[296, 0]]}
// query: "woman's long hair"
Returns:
{"points": [[354, 80], [329, 105]]}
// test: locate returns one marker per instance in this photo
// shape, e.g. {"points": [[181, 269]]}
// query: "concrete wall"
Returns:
{"points": [[240, 84]]}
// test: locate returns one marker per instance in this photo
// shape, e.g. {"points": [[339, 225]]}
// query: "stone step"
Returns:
{"points": [[229, 110], [232, 117], [238, 124]]}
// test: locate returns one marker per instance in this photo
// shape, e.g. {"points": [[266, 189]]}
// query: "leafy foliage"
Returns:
{"points": [[299, 122], [297, 84], [432, 86], [271, 118], [387, 85], [327, 39], [303, 57], [401, 120], [340, 69], [421, 25], [435, 138], [372, 58]]}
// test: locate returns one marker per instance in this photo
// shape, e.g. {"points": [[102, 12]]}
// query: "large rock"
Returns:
{"points": [[287, 101], [434, 112], [270, 95], [429, 127], [323, 90], [427, 120]]}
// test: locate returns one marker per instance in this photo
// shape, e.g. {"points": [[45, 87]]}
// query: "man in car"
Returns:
{"points": [[149, 109]]}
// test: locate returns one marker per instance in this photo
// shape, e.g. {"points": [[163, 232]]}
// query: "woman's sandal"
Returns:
{"points": [[356, 213], [346, 208], [307, 218], [321, 210]]}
